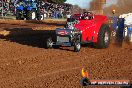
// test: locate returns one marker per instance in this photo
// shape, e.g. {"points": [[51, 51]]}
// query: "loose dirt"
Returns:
{"points": [[25, 63]]}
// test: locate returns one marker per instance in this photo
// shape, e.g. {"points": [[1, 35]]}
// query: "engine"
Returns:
{"points": [[69, 33], [69, 28], [71, 23]]}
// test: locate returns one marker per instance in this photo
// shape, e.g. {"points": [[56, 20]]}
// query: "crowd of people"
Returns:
{"points": [[51, 10], [57, 10], [4, 7]]}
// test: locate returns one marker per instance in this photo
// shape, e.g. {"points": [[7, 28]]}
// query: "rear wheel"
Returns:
{"points": [[103, 37], [31, 15]]}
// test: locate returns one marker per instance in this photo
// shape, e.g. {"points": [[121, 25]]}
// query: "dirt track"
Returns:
{"points": [[24, 63]]}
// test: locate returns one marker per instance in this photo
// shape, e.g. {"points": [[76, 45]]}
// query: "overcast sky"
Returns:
{"points": [[85, 3]]}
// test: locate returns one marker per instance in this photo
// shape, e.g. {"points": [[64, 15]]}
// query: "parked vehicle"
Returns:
{"points": [[29, 9]]}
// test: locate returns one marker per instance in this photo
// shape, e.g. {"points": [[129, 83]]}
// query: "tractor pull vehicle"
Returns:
{"points": [[80, 29]]}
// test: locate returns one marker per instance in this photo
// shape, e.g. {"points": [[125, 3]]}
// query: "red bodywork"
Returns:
{"points": [[90, 28]]}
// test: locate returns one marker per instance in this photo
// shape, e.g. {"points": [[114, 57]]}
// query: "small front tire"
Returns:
{"points": [[77, 46], [49, 43]]}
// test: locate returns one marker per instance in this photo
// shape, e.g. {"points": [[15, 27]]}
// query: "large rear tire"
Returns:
{"points": [[103, 37], [31, 15]]}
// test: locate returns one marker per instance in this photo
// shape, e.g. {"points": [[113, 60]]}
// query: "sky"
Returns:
{"points": [[85, 3]]}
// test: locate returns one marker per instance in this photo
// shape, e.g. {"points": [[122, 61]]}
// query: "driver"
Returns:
{"points": [[90, 15], [84, 16], [87, 15]]}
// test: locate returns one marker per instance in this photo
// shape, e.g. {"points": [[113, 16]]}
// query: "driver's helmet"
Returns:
{"points": [[85, 15], [88, 15]]}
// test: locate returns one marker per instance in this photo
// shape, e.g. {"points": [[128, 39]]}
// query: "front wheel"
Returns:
{"points": [[49, 43], [77, 46]]}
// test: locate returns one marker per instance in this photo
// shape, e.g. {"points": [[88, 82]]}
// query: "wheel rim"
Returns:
{"points": [[33, 15], [42, 17], [106, 38], [78, 46], [50, 43]]}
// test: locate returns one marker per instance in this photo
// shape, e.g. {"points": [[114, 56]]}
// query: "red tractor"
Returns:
{"points": [[80, 29]]}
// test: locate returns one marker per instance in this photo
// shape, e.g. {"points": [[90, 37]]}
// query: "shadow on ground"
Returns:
{"points": [[34, 38], [37, 38], [28, 36]]}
